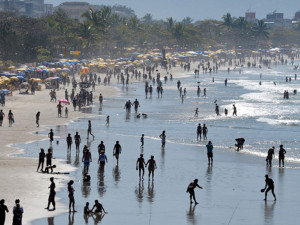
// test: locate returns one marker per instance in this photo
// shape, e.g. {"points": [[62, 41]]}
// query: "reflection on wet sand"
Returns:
{"points": [[162, 163], [86, 188], [71, 218], [76, 162], [269, 212], [101, 185], [50, 220], [150, 191], [139, 189], [96, 217], [190, 215], [68, 157], [208, 174], [116, 173]]}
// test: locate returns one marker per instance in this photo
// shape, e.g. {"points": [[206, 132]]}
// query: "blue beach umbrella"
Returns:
{"points": [[4, 91]]}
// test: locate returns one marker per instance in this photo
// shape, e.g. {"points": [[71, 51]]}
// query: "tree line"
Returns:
{"points": [[104, 33]]}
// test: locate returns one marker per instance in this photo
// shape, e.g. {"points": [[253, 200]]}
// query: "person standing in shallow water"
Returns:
{"points": [[51, 136], [151, 167], [140, 163], [190, 190], [281, 155], [234, 110], [69, 141], [199, 131], [270, 156], [52, 193], [204, 131], [270, 185], [209, 148], [71, 196], [77, 140], [163, 138]]}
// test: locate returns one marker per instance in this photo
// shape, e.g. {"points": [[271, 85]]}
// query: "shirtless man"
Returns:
{"points": [[140, 163], [117, 151]]}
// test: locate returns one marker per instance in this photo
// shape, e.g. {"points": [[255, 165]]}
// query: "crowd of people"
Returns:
{"points": [[85, 97]]}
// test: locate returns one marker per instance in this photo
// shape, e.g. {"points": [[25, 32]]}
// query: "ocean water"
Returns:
{"points": [[264, 119]]}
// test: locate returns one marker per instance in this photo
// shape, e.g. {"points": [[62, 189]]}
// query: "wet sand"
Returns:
{"points": [[230, 196], [28, 185]]}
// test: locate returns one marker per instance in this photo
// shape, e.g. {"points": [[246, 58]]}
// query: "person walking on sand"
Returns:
{"points": [[71, 196], [136, 105], [102, 159], [51, 136], [69, 141], [270, 156], [37, 119], [163, 138], [89, 131], [151, 167], [281, 155], [191, 191], [41, 160], [140, 165], [77, 140], [52, 193], [86, 158], [18, 213], [3, 211], [11, 118], [117, 151], [199, 131], [100, 99], [210, 148], [59, 108], [270, 185], [142, 140], [101, 147], [2, 115]]}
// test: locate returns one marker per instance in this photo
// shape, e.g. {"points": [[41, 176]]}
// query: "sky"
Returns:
{"points": [[200, 9]]}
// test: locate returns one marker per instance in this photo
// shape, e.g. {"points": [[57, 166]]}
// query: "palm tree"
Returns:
{"points": [[170, 23], [228, 20], [260, 30]]}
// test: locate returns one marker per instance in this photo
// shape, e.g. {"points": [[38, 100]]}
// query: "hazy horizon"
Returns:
{"points": [[200, 9]]}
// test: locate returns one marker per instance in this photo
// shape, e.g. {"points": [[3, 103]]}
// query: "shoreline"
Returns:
{"points": [[34, 160], [23, 167]]}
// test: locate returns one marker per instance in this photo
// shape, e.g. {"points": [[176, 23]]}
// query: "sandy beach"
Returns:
{"points": [[31, 187], [24, 182]]}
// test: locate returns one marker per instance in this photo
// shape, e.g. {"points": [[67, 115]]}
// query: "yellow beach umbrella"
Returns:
{"points": [[11, 67], [13, 78], [21, 69]]}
